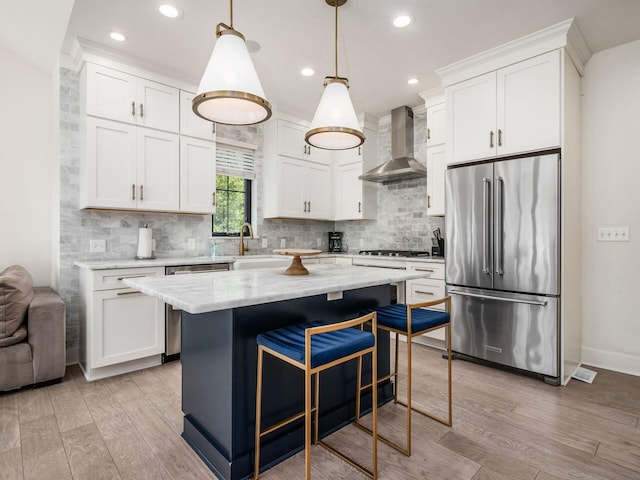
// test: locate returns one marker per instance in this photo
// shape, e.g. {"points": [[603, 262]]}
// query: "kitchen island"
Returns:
{"points": [[223, 314]]}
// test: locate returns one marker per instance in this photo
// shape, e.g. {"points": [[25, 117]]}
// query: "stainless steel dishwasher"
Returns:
{"points": [[173, 316]]}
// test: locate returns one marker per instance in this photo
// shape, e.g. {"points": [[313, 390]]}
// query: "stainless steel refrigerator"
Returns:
{"points": [[502, 237]]}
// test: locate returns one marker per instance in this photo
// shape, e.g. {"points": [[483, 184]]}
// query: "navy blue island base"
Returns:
{"points": [[219, 356]]}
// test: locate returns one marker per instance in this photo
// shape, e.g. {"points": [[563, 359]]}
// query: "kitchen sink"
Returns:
{"points": [[245, 263]]}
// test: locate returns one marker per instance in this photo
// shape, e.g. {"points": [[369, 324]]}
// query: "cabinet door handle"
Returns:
{"points": [[423, 270], [131, 276], [491, 139], [129, 293], [133, 191], [305, 150], [141, 192], [213, 127], [305, 207], [309, 208], [141, 110], [359, 151], [423, 292], [133, 108], [213, 199], [428, 201], [428, 134], [499, 137], [359, 207]]}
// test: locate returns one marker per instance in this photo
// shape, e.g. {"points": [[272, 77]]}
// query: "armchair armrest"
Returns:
{"points": [[46, 334]]}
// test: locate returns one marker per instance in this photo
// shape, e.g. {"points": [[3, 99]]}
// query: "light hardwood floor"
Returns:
{"points": [[506, 426]]}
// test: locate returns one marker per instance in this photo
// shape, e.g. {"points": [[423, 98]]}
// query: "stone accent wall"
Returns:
{"points": [[402, 222]]}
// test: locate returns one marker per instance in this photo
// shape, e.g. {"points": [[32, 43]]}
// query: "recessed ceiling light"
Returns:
{"points": [[413, 81], [117, 36], [307, 72], [169, 10], [402, 21]]}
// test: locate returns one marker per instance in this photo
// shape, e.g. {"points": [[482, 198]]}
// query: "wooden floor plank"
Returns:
{"points": [[69, 407], [129, 450], [34, 404], [11, 465], [9, 423], [43, 455], [88, 455]]}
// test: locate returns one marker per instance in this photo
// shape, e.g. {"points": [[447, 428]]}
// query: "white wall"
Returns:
{"points": [[25, 167], [611, 197]]}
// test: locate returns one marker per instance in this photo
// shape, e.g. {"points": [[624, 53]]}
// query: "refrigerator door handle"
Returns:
{"points": [[490, 297], [486, 212], [499, 225]]}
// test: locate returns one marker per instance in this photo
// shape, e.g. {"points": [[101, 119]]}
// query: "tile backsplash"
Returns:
{"points": [[402, 222]]}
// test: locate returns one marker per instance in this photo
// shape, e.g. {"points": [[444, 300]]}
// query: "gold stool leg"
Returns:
{"points": [[374, 406], [258, 413], [409, 385], [307, 424], [317, 403]]}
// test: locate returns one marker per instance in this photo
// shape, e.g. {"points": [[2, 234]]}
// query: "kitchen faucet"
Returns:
{"points": [[244, 248]]}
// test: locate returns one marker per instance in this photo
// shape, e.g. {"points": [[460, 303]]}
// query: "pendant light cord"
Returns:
{"points": [[231, 13], [336, 38]]}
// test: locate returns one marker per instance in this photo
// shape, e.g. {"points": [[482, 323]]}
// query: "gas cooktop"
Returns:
{"points": [[395, 253]]}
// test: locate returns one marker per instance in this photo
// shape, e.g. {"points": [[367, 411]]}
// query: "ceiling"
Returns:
{"points": [[376, 57]]}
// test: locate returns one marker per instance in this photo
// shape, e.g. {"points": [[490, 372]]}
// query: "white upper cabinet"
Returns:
{"points": [[191, 124], [291, 143], [436, 167], [471, 118], [197, 175], [129, 167], [126, 98], [436, 124], [528, 110], [512, 110]]}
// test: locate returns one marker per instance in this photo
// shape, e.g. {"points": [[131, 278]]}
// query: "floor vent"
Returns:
{"points": [[584, 374]]}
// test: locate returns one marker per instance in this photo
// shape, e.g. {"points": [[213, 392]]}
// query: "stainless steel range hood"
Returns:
{"points": [[402, 165]]}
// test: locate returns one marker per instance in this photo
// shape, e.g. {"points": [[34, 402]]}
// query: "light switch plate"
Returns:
{"points": [[264, 243], [191, 243], [283, 243], [319, 242], [613, 234], [97, 246]]}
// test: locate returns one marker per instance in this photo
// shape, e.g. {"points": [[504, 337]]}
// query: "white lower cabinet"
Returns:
{"points": [[432, 287], [121, 330]]}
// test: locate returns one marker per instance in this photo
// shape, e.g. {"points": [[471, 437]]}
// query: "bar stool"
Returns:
{"points": [[412, 320], [314, 347]]}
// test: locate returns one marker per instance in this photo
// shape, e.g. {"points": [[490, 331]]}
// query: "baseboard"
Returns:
{"points": [[618, 362]]}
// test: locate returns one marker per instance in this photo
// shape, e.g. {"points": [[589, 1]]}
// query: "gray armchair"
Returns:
{"points": [[32, 331]]}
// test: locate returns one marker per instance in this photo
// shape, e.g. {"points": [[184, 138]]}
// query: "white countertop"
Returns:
{"points": [[204, 260], [207, 292]]}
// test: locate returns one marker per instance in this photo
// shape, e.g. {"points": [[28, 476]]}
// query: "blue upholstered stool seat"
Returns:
{"points": [[395, 316], [325, 347]]}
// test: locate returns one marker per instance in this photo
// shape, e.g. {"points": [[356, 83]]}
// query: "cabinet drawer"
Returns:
{"points": [[432, 270], [425, 290], [112, 279]]}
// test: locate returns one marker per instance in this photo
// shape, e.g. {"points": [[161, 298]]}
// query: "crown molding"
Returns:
{"points": [[433, 96], [83, 51], [565, 34]]}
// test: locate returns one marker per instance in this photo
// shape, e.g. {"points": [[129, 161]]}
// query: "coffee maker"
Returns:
{"points": [[335, 242]]}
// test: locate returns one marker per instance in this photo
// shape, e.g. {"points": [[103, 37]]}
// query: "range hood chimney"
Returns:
{"points": [[402, 165]]}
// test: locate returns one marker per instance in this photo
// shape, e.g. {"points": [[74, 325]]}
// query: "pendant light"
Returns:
{"points": [[230, 91], [335, 125]]}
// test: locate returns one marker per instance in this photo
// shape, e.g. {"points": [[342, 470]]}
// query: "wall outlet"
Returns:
{"points": [[191, 243], [264, 242], [319, 242], [97, 246], [283, 243], [613, 234]]}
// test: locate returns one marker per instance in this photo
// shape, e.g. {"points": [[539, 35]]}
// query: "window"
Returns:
{"points": [[233, 204], [235, 172]]}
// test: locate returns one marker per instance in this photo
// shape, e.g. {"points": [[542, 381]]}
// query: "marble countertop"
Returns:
{"points": [[204, 260], [207, 292]]}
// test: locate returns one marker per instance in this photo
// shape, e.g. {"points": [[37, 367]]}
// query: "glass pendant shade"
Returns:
{"points": [[335, 125], [230, 91]]}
